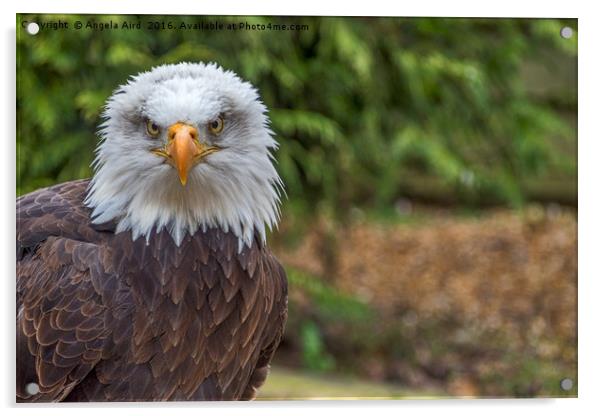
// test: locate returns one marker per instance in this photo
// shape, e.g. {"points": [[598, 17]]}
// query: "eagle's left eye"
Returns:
{"points": [[216, 126], [152, 128]]}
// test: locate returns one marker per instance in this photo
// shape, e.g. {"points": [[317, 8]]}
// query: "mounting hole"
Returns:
{"points": [[32, 28], [32, 388], [566, 32], [566, 384]]}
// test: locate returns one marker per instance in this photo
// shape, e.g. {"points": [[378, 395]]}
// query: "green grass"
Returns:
{"points": [[287, 384]]}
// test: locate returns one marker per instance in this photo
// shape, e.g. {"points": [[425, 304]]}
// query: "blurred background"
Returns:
{"points": [[429, 232]]}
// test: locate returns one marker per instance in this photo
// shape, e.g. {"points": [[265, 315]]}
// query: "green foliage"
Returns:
{"points": [[320, 317], [364, 108], [329, 303], [314, 356]]}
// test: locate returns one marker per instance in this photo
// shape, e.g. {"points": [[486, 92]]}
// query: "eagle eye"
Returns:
{"points": [[216, 126], [152, 128]]}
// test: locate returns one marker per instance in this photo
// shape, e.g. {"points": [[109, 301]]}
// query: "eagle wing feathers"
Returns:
{"points": [[101, 317]]}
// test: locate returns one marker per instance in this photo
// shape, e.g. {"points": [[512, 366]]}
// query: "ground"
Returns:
{"points": [[437, 301], [289, 384]]}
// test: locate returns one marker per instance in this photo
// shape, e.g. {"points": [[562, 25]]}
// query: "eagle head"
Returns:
{"points": [[185, 147]]}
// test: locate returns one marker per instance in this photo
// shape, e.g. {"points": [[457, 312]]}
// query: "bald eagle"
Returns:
{"points": [[152, 281]]}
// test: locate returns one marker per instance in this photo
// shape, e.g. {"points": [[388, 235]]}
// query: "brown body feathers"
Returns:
{"points": [[103, 318]]}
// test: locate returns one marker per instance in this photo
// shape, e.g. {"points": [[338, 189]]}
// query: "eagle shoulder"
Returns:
{"points": [[57, 211]]}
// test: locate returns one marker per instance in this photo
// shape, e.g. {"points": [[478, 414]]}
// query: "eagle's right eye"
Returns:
{"points": [[152, 128]]}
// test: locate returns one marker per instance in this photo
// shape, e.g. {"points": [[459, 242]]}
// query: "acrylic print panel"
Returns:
{"points": [[411, 181]]}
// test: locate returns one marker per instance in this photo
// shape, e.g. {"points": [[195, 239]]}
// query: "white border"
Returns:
{"points": [[508, 8], [590, 290]]}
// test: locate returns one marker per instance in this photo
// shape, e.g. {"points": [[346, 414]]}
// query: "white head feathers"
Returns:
{"points": [[236, 188]]}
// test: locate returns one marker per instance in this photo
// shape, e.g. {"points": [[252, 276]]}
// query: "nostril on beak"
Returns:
{"points": [[181, 129]]}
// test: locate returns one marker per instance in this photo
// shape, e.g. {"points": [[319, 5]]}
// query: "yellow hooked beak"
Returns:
{"points": [[183, 149]]}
